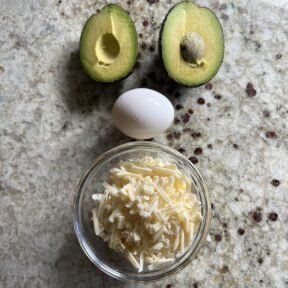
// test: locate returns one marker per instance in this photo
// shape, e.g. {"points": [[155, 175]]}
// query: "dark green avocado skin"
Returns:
{"points": [[160, 47]]}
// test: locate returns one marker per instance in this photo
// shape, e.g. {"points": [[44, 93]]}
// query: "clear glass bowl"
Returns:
{"points": [[95, 248]]}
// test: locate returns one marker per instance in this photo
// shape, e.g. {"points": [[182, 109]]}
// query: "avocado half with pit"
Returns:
{"points": [[191, 44], [108, 45]]}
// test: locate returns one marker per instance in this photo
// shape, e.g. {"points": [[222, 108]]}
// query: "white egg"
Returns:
{"points": [[142, 113]]}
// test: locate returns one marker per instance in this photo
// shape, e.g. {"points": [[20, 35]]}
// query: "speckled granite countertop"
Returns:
{"points": [[54, 121]]}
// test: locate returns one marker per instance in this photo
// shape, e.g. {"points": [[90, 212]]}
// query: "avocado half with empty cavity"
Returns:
{"points": [[108, 45], [191, 44]]}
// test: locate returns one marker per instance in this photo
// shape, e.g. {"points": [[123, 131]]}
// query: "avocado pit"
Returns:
{"points": [[192, 48], [107, 49]]}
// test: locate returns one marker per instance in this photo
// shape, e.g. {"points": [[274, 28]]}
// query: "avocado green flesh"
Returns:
{"points": [[108, 45], [184, 18]]}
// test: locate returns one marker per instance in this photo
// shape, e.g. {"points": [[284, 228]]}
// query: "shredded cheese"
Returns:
{"points": [[147, 212]]}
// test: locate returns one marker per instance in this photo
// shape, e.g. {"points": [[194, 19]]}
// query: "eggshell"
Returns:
{"points": [[142, 113]]}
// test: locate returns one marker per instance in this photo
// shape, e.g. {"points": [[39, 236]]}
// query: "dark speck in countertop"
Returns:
{"points": [[179, 107], [218, 237], [193, 159], [275, 182], [273, 216], [198, 151], [235, 146], [201, 101], [250, 91], [257, 216], [241, 231], [185, 118], [271, 135], [152, 1], [208, 86]]}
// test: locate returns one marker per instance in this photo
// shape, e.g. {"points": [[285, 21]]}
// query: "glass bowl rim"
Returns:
{"points": [[137, 277]]}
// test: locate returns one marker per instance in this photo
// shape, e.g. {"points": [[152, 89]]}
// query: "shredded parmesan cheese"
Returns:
{"points": [[147, 212]]}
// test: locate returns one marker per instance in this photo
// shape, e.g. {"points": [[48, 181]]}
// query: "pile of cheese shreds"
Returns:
{"points": [[147, 212]]}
